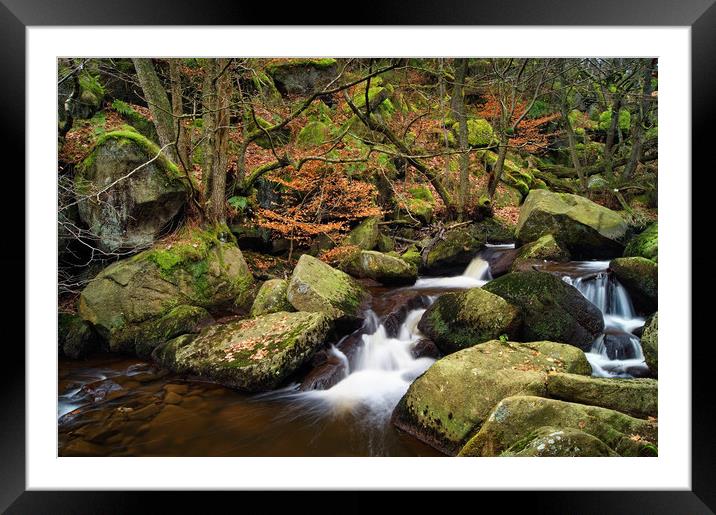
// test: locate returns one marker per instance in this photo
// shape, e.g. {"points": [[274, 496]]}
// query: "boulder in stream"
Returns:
{"points": [[76, 337], [318, 287], [640, 276], [516, 421], [635, 397], [462, 319], [139, 302], [452, 399], [583, 227], [380, 267], [650, 344], [253, 355], [645, 244], [271, 298], [551, 309]]}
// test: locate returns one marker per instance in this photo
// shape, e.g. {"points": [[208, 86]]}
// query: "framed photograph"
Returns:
{"points": [[420, 255]]}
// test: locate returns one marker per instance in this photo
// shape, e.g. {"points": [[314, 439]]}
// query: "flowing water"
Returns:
{"points": [[126, 407]]}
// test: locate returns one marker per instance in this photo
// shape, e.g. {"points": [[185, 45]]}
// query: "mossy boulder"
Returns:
{"points": [[635, 397], [545, 248], [644, 245], [452, 399], [380, 267], [583, 227], [252, 355], [650, 344], [318, 287], [412, 256], [76, 338], [513, 175], [136, 200], [550, 441], [420, 203], [459, 320], [302, 76], [458, 246], [551, 309], [271, 298], [141, 301], [479, 132], [517, 420], [365, 235], [313, 133], [277, 138], [640, 276]]}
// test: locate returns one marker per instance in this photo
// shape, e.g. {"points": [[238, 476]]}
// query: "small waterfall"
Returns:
{"points": [[475, 275], [617, 352], [378, 374]]}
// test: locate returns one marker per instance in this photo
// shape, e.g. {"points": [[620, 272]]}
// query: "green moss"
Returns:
{"points": [[422, 192], [605, 120], [479, 132], [314, 133], [151, 148], [91, 84], [321, 64], [645, 244]]}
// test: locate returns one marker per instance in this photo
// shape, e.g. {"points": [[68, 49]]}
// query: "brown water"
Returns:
{"points": [[126, 407]]}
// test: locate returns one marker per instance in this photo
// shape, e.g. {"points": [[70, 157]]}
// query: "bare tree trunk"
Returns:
{"points": [[496, 174], [217, 98], [638, 136], [458, 102], [611, 134], [183, 143], [159, 104]]}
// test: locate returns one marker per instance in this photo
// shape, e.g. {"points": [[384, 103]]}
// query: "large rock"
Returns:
{"points": [[136, 303], [271, 298], [517, 420], [136, 200], [303, 76], [458, 246], [586, 229], [636, 397], [76, 338], [253, 355], [650, 344], [315, 286], [551, 309], [365, 235], [459, 320], [452, 399], [550, 441], [640, 276], [645, 244], [380, 267], [544, 249]]}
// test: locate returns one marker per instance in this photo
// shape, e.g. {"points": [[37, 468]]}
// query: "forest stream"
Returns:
{"points": [[112, 405]]}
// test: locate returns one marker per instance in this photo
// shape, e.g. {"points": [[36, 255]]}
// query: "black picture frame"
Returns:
{"points": [[16, 15]]}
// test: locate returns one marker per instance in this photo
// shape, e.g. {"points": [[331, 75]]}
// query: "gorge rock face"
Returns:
{"points": [[551, 309], [583, 227], [452, 399], [516, 421], [318, 287], [459, 320], [137, 303], [140, 198], [252, 355]]}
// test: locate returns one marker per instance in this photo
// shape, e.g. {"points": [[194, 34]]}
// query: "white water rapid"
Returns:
{"points": [[617, 352], [476, 274]]}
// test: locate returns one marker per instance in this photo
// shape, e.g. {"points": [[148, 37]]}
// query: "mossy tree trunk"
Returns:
{"points": [[159, 105]]}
